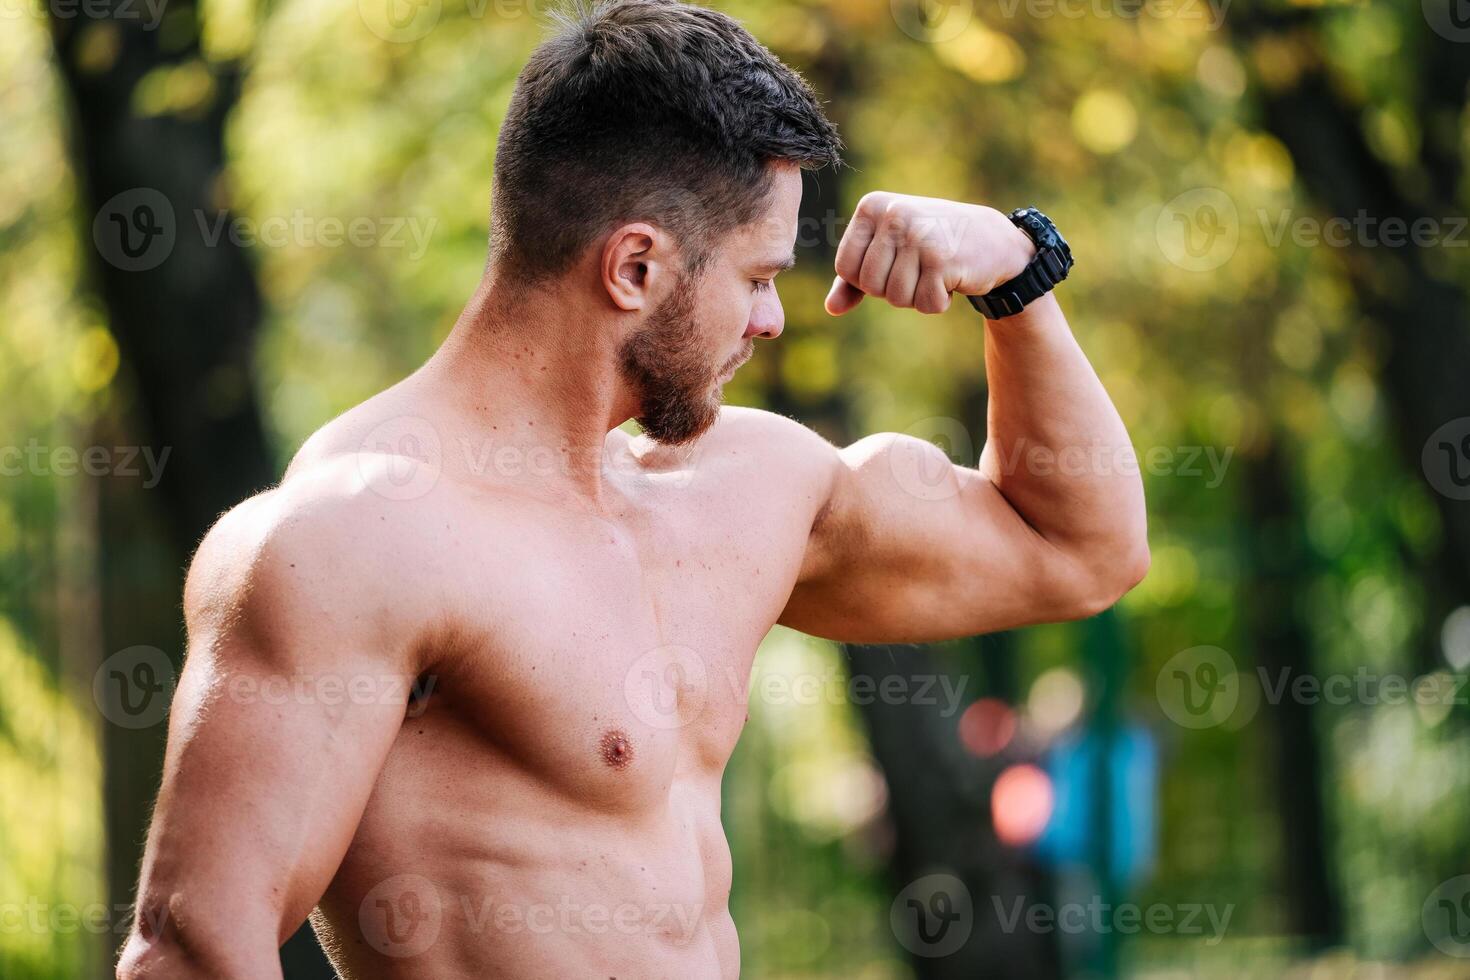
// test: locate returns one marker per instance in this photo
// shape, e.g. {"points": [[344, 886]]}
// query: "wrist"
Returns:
{"points": [[1043, 261], [1040, 318], [1020, 251]]}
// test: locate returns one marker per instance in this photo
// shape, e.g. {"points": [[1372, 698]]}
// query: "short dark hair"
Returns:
{"points": [[651, 110]]}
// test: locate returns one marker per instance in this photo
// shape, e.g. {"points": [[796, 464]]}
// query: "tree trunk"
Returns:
{"points": [[1283, 645], [1420, 312], [938, 804], [184, 313]]}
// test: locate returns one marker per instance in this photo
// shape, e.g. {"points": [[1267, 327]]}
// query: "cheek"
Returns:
{"points": [[727, 314]]}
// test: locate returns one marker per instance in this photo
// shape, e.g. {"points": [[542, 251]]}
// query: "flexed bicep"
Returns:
{"points": [[913, 548]]}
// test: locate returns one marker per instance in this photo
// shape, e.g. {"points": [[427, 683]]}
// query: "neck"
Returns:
{"points": [[535, 375]]}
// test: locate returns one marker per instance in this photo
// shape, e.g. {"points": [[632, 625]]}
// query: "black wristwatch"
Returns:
{"points": [[1050, 266]]}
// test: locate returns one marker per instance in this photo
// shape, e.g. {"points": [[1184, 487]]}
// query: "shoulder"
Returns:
{"points": [[771, 438], [778, 455], [323, 553], [744, 443]]}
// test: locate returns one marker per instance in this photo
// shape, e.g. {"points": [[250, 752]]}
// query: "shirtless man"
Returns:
{"points": [[463, 686]]}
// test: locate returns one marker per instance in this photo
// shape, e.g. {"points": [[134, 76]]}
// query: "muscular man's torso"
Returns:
{"points": [[551, 804]]}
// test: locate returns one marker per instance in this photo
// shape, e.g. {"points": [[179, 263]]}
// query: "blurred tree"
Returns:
{"points": [[939, 807], [1284, 648], [1415, 296], [185, 328]]}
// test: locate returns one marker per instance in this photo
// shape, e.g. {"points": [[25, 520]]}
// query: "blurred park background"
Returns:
{"points": [[224, 221]]}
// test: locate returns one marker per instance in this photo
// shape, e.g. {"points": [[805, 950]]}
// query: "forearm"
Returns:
{"points": [[1056, 448]]}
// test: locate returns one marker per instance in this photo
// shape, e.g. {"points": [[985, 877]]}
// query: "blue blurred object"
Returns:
{"points": [[1132, 765]]}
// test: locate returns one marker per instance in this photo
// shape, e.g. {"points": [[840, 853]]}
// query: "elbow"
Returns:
{"points": [[159, 957], [1134, 568], [169, 951], [143, 958], [1115, 575]]}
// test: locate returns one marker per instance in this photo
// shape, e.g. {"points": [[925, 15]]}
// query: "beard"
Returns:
{"points": [[677, 392]]}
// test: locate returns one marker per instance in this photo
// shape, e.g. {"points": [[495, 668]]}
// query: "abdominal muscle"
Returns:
{"points": [[467, 865]]}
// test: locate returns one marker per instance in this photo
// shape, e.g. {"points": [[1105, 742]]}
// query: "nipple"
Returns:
{"points": [[617, 751]]}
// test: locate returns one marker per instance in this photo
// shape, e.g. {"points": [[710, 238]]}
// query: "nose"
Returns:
{"points": [[767, 319]]}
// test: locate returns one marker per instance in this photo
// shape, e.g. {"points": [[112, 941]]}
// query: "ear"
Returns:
{"points": [[634, 258]]}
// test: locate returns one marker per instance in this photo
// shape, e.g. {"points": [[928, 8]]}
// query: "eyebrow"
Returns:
{"points": [[778, 265]]}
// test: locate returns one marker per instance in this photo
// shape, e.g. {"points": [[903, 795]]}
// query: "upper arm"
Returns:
{"points": [[294, 687], [910, 548]]}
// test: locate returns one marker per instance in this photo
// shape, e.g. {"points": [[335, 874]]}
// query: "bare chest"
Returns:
{"points": [[610, 659]]}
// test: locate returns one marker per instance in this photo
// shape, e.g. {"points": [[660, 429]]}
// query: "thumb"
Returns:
{"points": [[842, 297]]}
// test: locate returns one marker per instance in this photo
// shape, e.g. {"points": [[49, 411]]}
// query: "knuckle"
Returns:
{"points": [[873, 203]]}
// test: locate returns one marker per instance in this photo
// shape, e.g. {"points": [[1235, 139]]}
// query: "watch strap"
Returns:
{"points": [[1050, 265]]}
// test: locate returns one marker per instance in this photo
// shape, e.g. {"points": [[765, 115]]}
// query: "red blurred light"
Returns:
{"points": [[1021, 804], [987, 726]]}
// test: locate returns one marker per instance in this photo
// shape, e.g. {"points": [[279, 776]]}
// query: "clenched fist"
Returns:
{"points": [[915, 251]]}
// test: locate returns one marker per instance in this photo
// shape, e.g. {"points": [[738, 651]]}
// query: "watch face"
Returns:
{"points": [[1043, 233]]}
